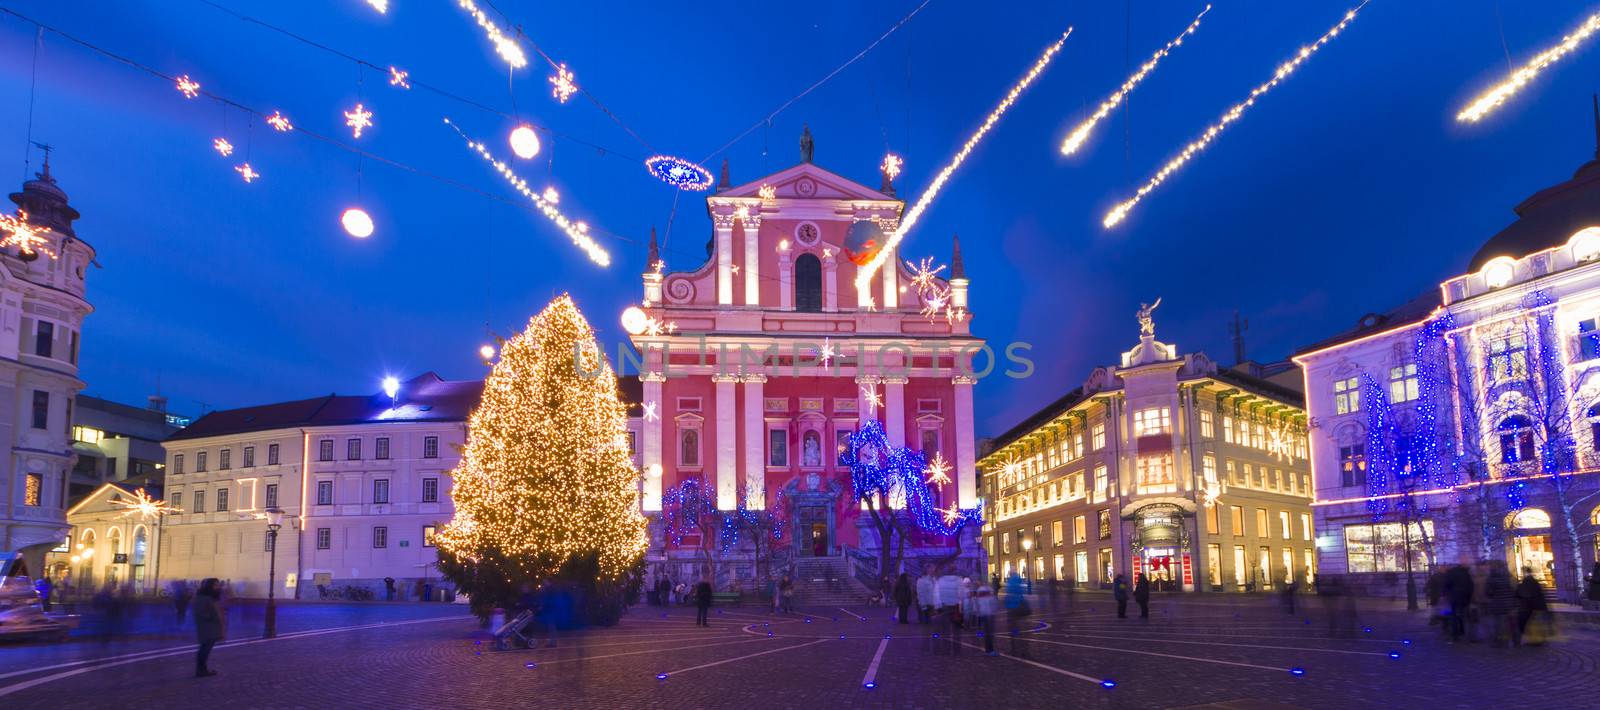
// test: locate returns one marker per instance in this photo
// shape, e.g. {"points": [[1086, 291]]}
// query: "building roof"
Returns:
{"points": [[1413, 311], [1547, 219], [424, 398]]}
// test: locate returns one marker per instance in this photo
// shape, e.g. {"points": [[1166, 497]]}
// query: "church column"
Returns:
{"points": [[785, 276], [727, 446], [891, 281], [752, 261], [724, 229], [830, 282], [755, 469], [894, 409], [652, 440], [966, 476]]}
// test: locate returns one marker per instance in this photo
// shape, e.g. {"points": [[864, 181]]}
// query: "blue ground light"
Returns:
{"points": [[869, 685], [661, 676], [1394, 654], [530, 665], [1406, 641], [1108, 684], [1297, 670], [1368, 629]]}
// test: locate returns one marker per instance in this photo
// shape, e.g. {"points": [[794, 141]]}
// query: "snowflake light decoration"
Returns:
{"points": [[397, 77], [1280, 443], [891, 165], [561, 85], [923, 273], [649, 408], [935, 303], [767, 192], [826, 354], [1211, 494], [279, 121], [144, 506], [222, 146], [871, 394], [188, 87], [27, 238], [938, 471], [678, 172], [248, 173], [358, 119]]}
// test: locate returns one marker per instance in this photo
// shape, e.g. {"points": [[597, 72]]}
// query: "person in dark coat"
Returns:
{"points": [[1499, 600], [1594, 583], [1530, 599], [209, 624], [902, 596], [1141, 594], [702, 601], [1458, 591], [180, 600], [1119, 591]]}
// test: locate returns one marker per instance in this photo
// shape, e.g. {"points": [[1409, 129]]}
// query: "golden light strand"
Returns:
{"points": [[507, 48], [1120, 212], [864, 275], [577, 231], [1076, 138], [1502, 92]]}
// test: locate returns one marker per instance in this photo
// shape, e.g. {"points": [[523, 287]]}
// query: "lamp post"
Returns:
{"points": [[274, 521], [1027, 561]]}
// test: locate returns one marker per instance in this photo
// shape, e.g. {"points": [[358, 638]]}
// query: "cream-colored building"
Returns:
{"points": [[109, 543], [1165, 465]]}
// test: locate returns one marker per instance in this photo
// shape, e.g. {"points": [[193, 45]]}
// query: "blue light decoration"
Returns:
{"points": [[1406, 641], [1297, 671], [869, 685], [1108, 684], [1394, 655], [661, 676], [880, 469], [678, 172]]}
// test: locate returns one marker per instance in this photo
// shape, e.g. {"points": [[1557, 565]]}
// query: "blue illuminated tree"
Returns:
{"points": [[889, 479]]}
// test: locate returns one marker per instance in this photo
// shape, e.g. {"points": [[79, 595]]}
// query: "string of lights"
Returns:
{"points": [[1499, 94], [909, 219], [1076, 138], [1120, 212], [504, 46]]}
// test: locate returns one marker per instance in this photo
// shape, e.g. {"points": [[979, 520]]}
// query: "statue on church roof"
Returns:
{"points": [[1147, 323], [806, 146]]}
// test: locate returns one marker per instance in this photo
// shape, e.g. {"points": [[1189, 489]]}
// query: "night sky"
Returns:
{"points": [[1348, 189]]}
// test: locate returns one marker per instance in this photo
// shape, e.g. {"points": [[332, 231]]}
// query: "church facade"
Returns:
{"points": [[759, 362]]}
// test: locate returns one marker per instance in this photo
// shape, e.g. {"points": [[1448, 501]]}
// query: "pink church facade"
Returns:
{"points": [[759, 362]]}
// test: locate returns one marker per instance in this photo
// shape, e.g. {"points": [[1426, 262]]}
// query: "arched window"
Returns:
{"points": [[808, 283], [1531, 519], [141, 545], [1516, 439]]}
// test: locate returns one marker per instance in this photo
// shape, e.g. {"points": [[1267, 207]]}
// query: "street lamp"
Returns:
{"points": [[1027, 559], [274, 521]]}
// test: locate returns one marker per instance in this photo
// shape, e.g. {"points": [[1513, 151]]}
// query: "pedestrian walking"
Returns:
{"points": [[903, 596], [1530, 603], [1053, 590], [1500, 599], [210, 624], [786, 588], [1458, 591], [180, 600], [1017, 613], [702, 601], [983, 609], [1119, 591], [388, 589], [1141, 594], [1289, 591], [925, 596], [948, 590]]}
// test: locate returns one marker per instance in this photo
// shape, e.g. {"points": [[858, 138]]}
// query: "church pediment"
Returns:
{"points": [[806, 181]]}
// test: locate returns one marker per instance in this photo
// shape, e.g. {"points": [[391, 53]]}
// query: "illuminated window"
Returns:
{"points": [[1381, 547], [1005, 543], [33, 490], [1403, 383], [1227, 429], [1508, 358], [1261, 523], [1080, 530], [1213, 525], [1152, 421], [1238, 565], [1208, 468], [87, 435], [1283, 524], [1055, 532], [1347, 395], [1499, 272], [1061, 567], [1105, 524], [1155, 474], [1231, 473], [1101, 480], [1305, 526], [1353, 465], [1097, 436], [428, 532], [1236, 520], [1206, 425]]}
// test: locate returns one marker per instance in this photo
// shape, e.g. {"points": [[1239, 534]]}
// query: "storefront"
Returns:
{"points": [[1529, 546], [1161, 547]]}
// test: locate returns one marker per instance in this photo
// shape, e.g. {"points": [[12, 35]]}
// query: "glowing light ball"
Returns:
{"points": [[524, 142], [862, 242], [634, 320], [486, 352], [654, 471], [391, 386], [357, 222]]}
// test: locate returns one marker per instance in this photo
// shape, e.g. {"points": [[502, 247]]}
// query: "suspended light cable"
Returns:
{"points": [[1076, 138], [1498, 95]]}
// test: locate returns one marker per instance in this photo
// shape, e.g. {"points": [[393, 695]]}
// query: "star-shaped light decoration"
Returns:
{"points": [[826, 354], [951, 514], [397, 77], [358, 119], [660, 265], [1280, 443], [827, 253], [871, 393], [279, 121], [938, 471], [1009, 471], [222, 146], [1211, 493], [248, 173], [891, 165], [672, 327], [650, 411], [933, 304], [652, 327], [27, 238], [923, 274], [188, 87], [561, 85], [767, 192], [735, 269], [144, 506]]}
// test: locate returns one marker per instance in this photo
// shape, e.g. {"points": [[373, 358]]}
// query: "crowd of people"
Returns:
{"points": [[1484, 602]]}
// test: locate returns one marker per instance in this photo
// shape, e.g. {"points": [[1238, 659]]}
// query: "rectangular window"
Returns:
{"points": [[1311, 566], [249, 456], [1060, 569], [1152, 421], [324, 538], [430, 490], [352, 450], [380, 448], [266, 543], [1155, 474], [1258, 438], [1381, 547], [930, 442], [1105, 524], [1250, 476], [33, 490], [1403, 383], [1238, 565], [222, 500], [1005, 543], [1206, 430], [1080, 568], [1055, 533], [1212, 524], [777, 447], [44, 339], [177, 463], [1080, 531], [200, 501], [1236, 520], [1347, 395], [1230, 472], [1214, 565], [1353, 465], [177, 501], [1283, 525], [427, 535], [689, 448], [1589, 339], [1108, 571], [1508, 358], [272, 454], [1261, 523], [380, 537], [325, 450], [1305, 526], [41, 409], [841, 445], [200, 463], [225, 459], [430, 447], [380, 490], [1101, 480], [1264, 571], [72, 355], [324, 492], [1227, 429], [1288, 566], [1208, 468], [1097, 436], [272, 495]]}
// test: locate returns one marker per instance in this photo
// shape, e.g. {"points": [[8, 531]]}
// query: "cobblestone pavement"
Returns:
{"points": [[1193, 652]]}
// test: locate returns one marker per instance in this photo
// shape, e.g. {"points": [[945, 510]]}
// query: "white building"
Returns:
{"points": [[108, 543], [42, 307], [1489, 386]]}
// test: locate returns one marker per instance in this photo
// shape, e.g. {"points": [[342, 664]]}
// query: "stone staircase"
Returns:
{"points": [[826, 582]]}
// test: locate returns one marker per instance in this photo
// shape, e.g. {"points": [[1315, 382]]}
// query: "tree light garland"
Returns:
{"points": [[882, 471], [358, 119], [1492, 99], [29, 239], [1080, 134], [577, 231], [507, 48], [864, 275], [767, 192], [1120, 212]]}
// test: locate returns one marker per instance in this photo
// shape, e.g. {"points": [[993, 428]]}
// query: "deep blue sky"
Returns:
{"points": [[1348, 189]]}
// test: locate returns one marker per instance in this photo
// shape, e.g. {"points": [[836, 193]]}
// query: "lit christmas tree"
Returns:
{"points": [[545, 487]]}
